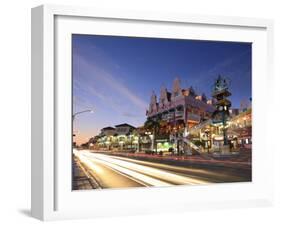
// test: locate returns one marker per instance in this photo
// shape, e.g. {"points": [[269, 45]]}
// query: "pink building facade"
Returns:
{"points": [[180, 106]]}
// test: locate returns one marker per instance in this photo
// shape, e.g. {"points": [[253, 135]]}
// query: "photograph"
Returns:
{"points": [[157, 112]]}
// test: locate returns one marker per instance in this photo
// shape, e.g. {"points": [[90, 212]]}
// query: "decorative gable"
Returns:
{"points": [[153, 102], [163, 100], [176, 91]]}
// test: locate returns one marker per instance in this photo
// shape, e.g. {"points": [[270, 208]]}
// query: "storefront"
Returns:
{"points": [[245, 137], [163, 145]]}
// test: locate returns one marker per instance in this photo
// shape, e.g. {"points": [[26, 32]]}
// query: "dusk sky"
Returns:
{"points": [[115, 76]]}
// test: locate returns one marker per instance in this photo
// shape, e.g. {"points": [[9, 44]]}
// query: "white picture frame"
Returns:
{"points": [[51, 197]]}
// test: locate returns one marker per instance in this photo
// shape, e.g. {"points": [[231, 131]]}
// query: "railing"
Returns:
{"points": [[171, 116], [193, 117], [200, 125], [179, 114], [165, 117]]}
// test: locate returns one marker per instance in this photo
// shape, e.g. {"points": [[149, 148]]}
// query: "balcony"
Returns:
{"points": [[193, 117], [179, 114], [165, 117], [171, 116]]}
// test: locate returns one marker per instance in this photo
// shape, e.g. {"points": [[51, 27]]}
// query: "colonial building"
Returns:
{"points": [[121, 137], [124, 129], [180, 105], [108, 131], [241, 128]]}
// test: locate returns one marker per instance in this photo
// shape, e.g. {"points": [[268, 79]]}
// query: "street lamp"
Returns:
{"points": [[77, 113], [80, 112]]}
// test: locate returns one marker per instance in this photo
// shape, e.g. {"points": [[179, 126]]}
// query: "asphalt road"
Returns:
{"points": [[121, 172]]}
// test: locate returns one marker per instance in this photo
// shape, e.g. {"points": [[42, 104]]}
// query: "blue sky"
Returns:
{"points": [[115, 76]]}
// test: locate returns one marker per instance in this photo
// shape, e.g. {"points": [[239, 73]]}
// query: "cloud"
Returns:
{"points": [[123, 89], [79, 102], [86, 89], [93, 73]]}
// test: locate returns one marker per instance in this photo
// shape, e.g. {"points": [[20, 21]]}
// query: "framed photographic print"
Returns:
{"points": [[137, 112]]}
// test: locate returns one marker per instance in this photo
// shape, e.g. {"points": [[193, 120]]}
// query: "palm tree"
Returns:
{"points": [[154, 126]]}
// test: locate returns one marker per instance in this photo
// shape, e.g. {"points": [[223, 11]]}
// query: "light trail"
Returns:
{"points": [[145, 174], [142, 178], [168, 167], [89, 160]]}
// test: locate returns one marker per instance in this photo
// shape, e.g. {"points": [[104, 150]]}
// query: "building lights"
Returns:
{"points": [[181, 119]]}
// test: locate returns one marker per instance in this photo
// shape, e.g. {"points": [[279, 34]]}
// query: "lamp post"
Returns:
{"points": [[80, 112], [77, 113]]}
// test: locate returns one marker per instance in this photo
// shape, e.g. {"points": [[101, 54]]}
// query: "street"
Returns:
{"points": [[121, 172]]}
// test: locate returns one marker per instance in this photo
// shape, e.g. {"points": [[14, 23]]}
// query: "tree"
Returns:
{"points": [[85, 145], [153, 125]]}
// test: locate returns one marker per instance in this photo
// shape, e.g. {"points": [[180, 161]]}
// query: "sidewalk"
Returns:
{"points": [[81, 180]]}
